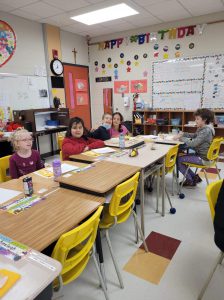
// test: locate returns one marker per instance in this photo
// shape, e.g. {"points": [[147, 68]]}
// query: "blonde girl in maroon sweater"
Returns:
{"points": [[76, 140]]}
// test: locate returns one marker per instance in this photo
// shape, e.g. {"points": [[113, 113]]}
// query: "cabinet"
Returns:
{"points": [[164, 121]]}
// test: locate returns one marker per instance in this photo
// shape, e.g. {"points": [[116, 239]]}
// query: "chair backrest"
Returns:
{"points": [[60, 139], [212, 192], [4, 166], [73, 248], [127, 188], [213, 151], [171, 159]]}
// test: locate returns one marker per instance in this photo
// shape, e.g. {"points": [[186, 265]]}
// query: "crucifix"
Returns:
{"points": [[75, 52]]}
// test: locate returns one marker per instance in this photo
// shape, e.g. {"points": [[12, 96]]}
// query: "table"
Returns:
{"points": [[100, 177], [144, 160], [37, 272], [133, 142]]}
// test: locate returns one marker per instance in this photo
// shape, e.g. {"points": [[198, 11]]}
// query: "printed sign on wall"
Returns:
{"points": [[139, 86], [121, 87]]}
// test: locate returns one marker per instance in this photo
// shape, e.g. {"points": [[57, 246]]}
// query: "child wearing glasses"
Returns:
{"points": [[25, 160]]}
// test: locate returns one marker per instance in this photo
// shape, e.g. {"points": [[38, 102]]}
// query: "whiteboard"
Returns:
{"points": [[213, 96], [24, 92], [185, 101]]}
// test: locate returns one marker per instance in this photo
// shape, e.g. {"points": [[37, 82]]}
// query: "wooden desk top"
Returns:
{"points": [[44, 223], [82, 158], [145, 157], [131, 143], [100, 178]]}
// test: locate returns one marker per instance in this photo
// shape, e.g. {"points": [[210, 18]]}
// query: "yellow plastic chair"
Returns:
{"points": [[61, 158], [118, 211], [60, 140], [74, 249], [170, 164], [4, 166], [212, 192], [212, 156]]}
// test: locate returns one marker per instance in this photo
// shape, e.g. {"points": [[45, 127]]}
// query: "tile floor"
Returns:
{"points": [[186, 272]]}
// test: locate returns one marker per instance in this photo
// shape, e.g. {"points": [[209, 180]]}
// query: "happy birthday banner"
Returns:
{"points": [[173, 33]]}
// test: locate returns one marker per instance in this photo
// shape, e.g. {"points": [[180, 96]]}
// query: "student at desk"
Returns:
{"points": [[117, 127], [25, 160], [200, 142], [76, 140], [103, 131]]}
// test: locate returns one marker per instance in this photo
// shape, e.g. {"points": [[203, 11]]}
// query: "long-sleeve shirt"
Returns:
{"points": [[100, 133], [72, 145], [115, 133], [200, 141], [19, 166]]}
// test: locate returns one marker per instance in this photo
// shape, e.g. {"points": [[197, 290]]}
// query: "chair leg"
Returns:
{"points": [[140, 231], [102, 283], [206, 176], [177, 183], [114, 259], [157, 190], [168, 197], [185, 174], [59, 288], [217, 171], [173, 184], [219, 260], [135, 225]]}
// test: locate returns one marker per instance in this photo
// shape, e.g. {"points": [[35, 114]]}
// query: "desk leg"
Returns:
{"points": [[99, 251], [142, 200], [52, 144], [163, 187]]}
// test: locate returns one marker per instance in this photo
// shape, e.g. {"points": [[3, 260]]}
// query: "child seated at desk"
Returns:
{"points": [[25, 160], [117, 127], [199, 141], [76, 140], [103, 131]]}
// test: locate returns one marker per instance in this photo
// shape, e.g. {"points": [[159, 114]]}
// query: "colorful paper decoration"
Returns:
{"points": [[145, 55], [115, 74], [103, 66], [173, 33], [121, 61], [177, 47], [156, 54], [81, 85], [115, 65], [165, 48], [96, 63], [121, 87], [128, 69], [96, 69], [109, 66], [191, 45], [103, 79], [103, 72], [136, 63], [156, 46], [7, 42], [177, 54], [136, 57], [145, 73], [128, 63], [109, 59], [165, 55], [139, 86], [81, 98], [122, 55]]}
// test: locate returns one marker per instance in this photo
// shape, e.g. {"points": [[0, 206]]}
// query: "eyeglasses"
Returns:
{"points": [[26, 140]]}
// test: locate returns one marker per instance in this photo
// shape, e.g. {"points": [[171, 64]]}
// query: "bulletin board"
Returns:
{"points": [[23, 92], [189, 83]]}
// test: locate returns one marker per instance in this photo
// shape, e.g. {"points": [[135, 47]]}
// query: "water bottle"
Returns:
{"points": [[121, 141], [56, 168]]}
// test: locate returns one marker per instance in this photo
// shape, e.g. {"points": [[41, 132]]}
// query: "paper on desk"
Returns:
{"points": [[7, 194], [104, 150], [153, 137], [48, 172]]}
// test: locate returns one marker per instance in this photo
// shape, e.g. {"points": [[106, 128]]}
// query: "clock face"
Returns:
{"points": [[56, 67]]}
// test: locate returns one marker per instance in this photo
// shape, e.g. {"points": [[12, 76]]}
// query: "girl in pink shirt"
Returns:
{"points": [[117, 127], [25, 160]]}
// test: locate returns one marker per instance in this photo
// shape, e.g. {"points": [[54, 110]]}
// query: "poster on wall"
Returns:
{"points": [[81, 98], [81, 85], [121, 87], [139, 86], [7, 42]]}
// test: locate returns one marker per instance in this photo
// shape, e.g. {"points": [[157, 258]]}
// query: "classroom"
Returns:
{"points": [[111, 149]]}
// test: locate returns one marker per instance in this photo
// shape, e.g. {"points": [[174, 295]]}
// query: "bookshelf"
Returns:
{"points": [[155, 121]]}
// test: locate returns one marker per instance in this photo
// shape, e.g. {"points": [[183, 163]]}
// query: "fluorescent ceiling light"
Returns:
{"points": [[106, 14]]}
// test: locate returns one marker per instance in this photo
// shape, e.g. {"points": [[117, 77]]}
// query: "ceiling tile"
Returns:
{"points": [[168, 11], [59, 20], [138, 20], [6, 7], [16, 3], [148, 2], [67, 5], [202, 7], [42, 9], [25, 15]]}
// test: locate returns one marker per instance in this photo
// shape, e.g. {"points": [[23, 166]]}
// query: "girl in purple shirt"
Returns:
{"points": [[25, 160], [117, 127]]}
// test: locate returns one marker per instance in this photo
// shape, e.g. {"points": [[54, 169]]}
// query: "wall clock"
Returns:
{"points": [[56, 67], [7, 42]]}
